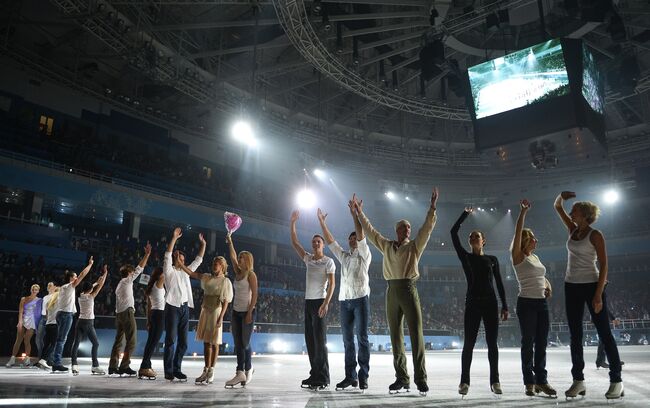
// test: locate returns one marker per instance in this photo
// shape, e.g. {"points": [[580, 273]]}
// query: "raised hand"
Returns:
{"points": [[524, 204], [358, 204], [104, 269], [177, 233], [295, 215], [469, 209], [201, 238], [434, 197], [147, 248], [321, 215], [90, 261], [228, 239], [567, 195]]}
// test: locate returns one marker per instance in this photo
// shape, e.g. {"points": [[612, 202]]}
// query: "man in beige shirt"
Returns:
{"points": [[400, 267]]}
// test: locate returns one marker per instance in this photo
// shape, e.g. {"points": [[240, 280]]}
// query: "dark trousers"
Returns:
{"points": [[575, 297], [534, 324], [241, 333], [403, 303], [316, 341], [85, 328], [601, 356], [485, 309], [177, 322], [49, 341], [355, 314], [156, 327], [64, 323]]}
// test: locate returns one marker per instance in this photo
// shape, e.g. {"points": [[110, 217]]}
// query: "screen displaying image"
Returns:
{"points": [[524, 77], [592, 88]]}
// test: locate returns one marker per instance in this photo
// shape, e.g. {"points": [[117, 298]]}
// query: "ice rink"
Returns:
{"points": [[277, 378]]}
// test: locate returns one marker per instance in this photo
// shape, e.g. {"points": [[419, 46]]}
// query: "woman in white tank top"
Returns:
{"points": [[85, 326], [532, 308], [155, 293], [585, 283], [243, 313]]}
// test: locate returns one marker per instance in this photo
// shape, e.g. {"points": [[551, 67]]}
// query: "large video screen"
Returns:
{"points": [[519, 79], [592, 85]]}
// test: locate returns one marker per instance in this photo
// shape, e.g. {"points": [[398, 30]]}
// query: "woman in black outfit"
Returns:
{"points": [[480, 302]]}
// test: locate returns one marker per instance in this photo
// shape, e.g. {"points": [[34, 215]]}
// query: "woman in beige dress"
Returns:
{"points": [[217, 294]]}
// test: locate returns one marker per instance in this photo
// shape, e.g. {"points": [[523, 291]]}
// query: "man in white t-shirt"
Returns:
{"points": [[178, 301], [318, 293], [353, 299], [66, 308], [126, 328]]}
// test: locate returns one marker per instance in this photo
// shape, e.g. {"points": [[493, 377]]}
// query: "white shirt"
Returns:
{"points": [[86, 306], [157, 298], [531, 277], [124, 291], [66, 302], [46, 299], [243, 295], [177, 282], [355, 282], [581, 262], [317, 271]]}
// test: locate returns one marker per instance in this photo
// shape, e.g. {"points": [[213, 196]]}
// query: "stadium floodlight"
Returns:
{"points": [[319, 173], [279, 346], [243, 133], [611, 196], [390, 195], [306, 199], [407, 198]]}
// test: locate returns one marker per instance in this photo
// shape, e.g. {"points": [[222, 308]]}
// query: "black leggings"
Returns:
{"points": [[485, 309], [575, 296], [51, 331], [156, 327]]}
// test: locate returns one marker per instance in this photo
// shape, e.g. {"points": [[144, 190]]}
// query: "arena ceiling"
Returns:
{"points": [[345, 73]]}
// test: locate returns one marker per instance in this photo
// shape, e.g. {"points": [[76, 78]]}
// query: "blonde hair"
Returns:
{"points": [[221, 260], [250, 260], [588, 209], [53, 299], [526, 236], [36, 285]]}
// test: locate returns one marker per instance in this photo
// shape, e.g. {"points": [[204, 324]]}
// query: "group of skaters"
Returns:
{"points": [[169, 297]]}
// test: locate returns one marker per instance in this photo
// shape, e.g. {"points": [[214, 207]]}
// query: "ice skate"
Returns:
{"points": [[615, 391], [347, 382], [239, 378], [577, 388], [146, 374], [398, 387]]}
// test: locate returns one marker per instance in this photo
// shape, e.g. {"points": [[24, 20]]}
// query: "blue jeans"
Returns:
{"points": [[534, 324], [40, 334], [177, 321], [355, 314], [64, 323], [241, 333]]}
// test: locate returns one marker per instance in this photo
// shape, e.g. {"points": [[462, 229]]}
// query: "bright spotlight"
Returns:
{"points": [[278, 346], [319, 173], [390, 195], [243, 133], [306, 199], [611, 196], [407, 198]]}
